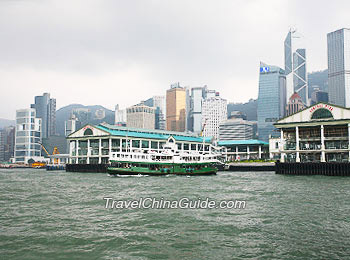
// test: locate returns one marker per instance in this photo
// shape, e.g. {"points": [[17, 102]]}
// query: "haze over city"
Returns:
{"points": [[107, 53]]}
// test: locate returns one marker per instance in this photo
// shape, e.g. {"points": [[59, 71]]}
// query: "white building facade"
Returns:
{"points": [[214, 112], [140, 116], [28, 136], [320, 133]]}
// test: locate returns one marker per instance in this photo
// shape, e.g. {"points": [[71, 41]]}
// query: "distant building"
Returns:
{"points": [[271, 99], [119, 116], [338, 44], [71, 125], [198, 94], [140, 116], [237, 115], [295, 66], [236, 129], [319, 96], [84, 115], [176, 108], [7, 143], [45, 108], [158, 102], [294, 105], [214, 112], [28, 136]]}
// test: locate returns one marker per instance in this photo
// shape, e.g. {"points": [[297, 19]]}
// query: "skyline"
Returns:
{"points": [[102, 51]]}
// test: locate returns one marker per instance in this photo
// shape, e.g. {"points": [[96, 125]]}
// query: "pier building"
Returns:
{"points": [[237, 150], [92, 144], [319, 133]]}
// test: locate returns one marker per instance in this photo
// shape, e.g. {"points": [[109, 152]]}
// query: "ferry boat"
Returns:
{"points": [[166, 162]]}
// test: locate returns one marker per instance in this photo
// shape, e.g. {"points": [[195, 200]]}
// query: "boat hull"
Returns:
{"points": [[169, 171]]}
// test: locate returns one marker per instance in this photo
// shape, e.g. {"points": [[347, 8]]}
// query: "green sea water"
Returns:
{"points": [[59, 215]]}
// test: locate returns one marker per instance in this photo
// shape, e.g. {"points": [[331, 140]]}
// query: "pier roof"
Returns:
{"points": [[140, 133], [242, 142]]}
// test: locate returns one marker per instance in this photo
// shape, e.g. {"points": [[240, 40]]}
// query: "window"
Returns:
{"points": [[322, 114], [88, 132]]}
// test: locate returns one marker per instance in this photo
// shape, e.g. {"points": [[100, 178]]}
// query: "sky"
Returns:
{"points": [[108, 52]]}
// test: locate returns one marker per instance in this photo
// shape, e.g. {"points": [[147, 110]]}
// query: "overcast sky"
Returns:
{"points": [[109, 52]]}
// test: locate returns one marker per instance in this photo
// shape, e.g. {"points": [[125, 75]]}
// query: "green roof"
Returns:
{"points": [[241, 142], [151, 134]]}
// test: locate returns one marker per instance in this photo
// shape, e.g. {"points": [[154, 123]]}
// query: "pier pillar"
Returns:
{"points": [[99, 150], [349, 141], [76, 151], [110, 147], [323, 156], [297, 148], [248, 153], [88, 152], [282, 147], [259, 151]]}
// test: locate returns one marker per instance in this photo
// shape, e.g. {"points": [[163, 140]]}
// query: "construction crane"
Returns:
{"points": [[54, 152]]}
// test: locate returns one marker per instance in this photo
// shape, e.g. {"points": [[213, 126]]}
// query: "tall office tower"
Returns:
{"points": [[158, 102], [119, 116], [28, 136], [338, 44], [140, 116], [176, 108], [271, 99], [214, 112], [294, 105], [45, 108], [198, 94], [7, 143], [295, 66]]}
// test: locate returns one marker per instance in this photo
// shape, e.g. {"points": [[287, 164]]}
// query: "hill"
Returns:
{"points": [[94, 114], [6, 122]]}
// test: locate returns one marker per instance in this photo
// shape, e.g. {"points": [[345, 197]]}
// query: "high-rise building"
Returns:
{"points": [[295, 66], [140, 116], [28, 136], [158, 102], [45, 108], [214, 112], [295, 104], [119, 116], [71, 125], [198, 94], [319, 96], [176, 108], [7, 143], [338, 44], [271, 99]]}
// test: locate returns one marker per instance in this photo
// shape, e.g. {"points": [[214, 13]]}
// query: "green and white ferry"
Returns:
{"points": [[166, 162]]}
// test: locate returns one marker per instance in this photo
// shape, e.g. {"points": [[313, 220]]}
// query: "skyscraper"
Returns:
{"points": [[198, 94], [176, 108], [7, 143], [295, 66], [45, 108], [214, 112], [271, 99], [28, 136], [338, 45], [158, 102]]}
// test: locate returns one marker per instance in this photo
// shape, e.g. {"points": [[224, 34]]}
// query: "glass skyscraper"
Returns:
{"points": [[271, 99], [338, 44], [295, 67]]}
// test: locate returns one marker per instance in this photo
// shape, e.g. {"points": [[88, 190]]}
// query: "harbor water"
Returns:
{"points": [[61, 215]]}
